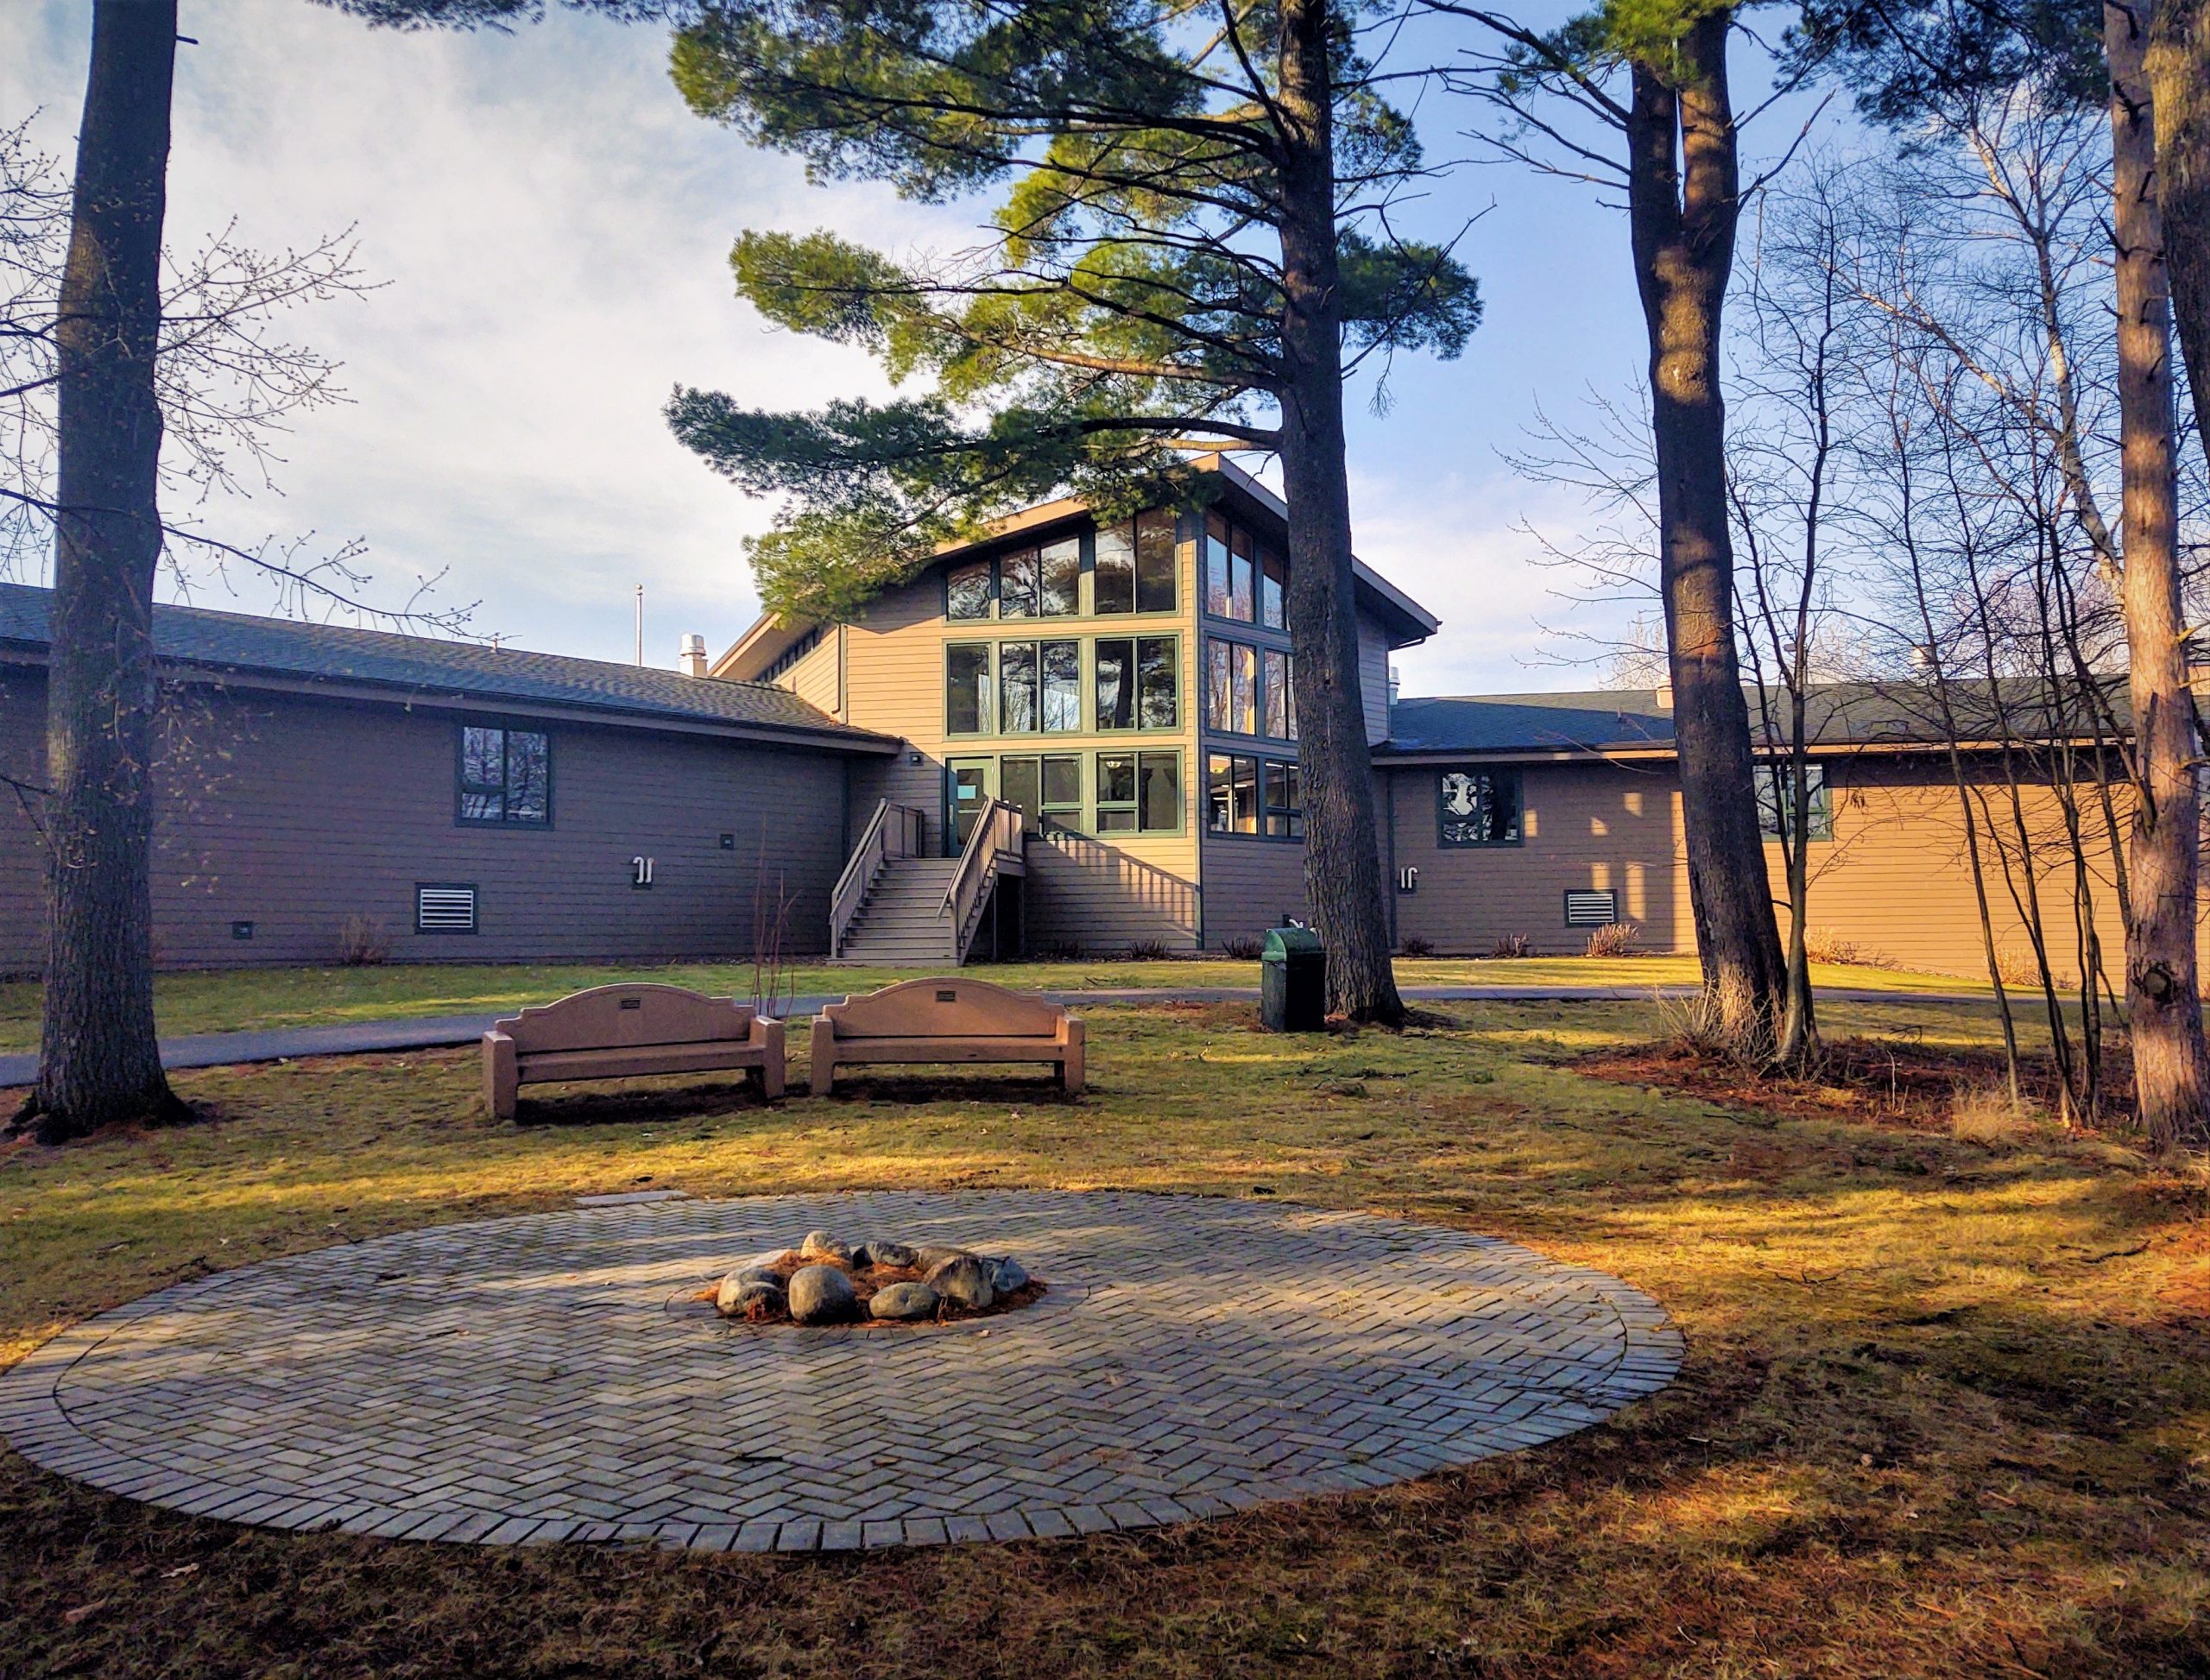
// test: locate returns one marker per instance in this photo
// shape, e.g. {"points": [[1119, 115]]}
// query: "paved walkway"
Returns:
{"points": [[284, 1043], [545, 1379]]}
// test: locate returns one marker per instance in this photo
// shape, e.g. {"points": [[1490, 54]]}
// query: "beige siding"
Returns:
{"points": [[818, 678]]}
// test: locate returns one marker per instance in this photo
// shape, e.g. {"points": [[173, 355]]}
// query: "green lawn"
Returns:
{"points": [[1946, 1408], [234, 1000]]}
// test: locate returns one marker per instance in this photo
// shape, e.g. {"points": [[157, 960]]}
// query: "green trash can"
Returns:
{"points": [[1293, 982]]}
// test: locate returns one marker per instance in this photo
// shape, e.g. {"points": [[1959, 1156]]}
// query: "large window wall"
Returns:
{"points": [[1065, 685]]}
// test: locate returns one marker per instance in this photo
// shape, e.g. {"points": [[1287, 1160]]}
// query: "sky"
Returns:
{"points": [[548, 228]]}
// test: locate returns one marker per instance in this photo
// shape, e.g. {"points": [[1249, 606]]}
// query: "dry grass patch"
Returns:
{"points": [[1946, 1408]]}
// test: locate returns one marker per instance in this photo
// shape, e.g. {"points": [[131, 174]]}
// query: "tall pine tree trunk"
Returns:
{"points": [[2171, 1065], [1343, 854], [2179, 77], [98, 1060], [1683, 184]]}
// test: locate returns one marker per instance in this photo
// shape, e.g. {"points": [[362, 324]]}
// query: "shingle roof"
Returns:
{"points": [[425, 668], [1839, 715]]}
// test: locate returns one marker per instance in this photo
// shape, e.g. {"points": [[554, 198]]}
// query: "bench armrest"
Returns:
{"points": [[502, 1075]]}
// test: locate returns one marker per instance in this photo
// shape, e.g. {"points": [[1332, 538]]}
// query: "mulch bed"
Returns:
{"points": [[866, 1281]]}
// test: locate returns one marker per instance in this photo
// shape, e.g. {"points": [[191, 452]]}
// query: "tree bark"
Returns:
{"points": [[100, 1063], [2179, 79], [2171, 1065], [1343, 856], [1683, 203]]}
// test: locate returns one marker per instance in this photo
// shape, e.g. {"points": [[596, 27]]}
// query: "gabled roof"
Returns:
{"points": [[425, 670], [1632, 721], [1406, 621]]}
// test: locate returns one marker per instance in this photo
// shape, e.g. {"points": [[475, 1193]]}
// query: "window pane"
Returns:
{"points": [[966, 590], [1219, 690], [1062, 577], [1274, 670], [1289, 685], [483, 807], [529, 777], [483, 757], [1063, 783], [1220, 792], [1016, 687], [1279, 779], [1215, 546], [1245, 670], [1479, 807], [1776, 800], [1062, 686], [967, 688], [1155, 562], [1246, 795], [1158, 683], [1017, 584], [1116, 779], [1113, 575], [1243, 570], [1019, 783], [1273, 588], [1160, 774], [1116, 683]]}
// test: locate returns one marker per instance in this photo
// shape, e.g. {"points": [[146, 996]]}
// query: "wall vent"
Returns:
{"points": [[1591, 909], [444, 908]]}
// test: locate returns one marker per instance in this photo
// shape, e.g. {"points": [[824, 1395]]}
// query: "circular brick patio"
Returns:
{"points": [[545, 1379]]}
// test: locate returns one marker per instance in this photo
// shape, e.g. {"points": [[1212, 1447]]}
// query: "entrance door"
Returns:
{"points": [[969, 784]]}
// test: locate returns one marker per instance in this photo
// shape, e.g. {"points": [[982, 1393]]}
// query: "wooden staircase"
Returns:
{"points": [[895, 907]]}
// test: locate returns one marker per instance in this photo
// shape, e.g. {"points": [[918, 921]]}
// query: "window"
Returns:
{"points": [[1242, 574], [1284, 801], [1139, 792], [1062, 686], [967, 688], [1231, 684], [1479, 807], [1273, 589], [967, 590], [506, 777], [1112, 572], [1216, 557], [1059, 571], [1279, 722], [1017, 580], [1159, 685], [1048, 788], [1777, 800], [1016, 687], [1155, 570], [1232, 794]]}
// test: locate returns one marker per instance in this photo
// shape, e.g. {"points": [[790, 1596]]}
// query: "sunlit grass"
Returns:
{"points": [[239, 998], [1946, 1408]]}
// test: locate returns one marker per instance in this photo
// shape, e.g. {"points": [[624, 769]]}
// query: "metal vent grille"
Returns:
{"points": [[444, 909], [1591, 909]]}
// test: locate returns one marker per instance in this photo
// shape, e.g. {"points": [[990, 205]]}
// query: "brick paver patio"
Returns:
{"points": [[545, 1379]]}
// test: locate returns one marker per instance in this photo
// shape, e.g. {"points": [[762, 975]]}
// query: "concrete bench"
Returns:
{"points": [[620, 1031], [945, 1020]]}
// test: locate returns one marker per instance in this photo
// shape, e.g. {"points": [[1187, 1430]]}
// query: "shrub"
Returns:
{"points": [[363, 942], [1826, 948], [1514, 945], [1985, 1114], [1244, 947], [1613, 939], [1063, 950], [1416, 946], [1149, 951]]}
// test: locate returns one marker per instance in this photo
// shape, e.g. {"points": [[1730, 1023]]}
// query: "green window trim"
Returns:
{"points": [[1127, 781]]}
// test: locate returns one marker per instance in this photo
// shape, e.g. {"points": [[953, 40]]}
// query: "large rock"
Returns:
{"points": [[929, 1256], [965, 1281], [1007, 1275], [903, 1301], [821, 1295], [740, 1289], [820, 1246], [880, 1251]]}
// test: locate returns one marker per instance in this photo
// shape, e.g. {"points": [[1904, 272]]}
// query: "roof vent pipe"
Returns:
{"points": [[1663, 696], [692, 660]]}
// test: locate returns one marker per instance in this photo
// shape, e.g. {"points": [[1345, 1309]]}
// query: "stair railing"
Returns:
{"points": [[998, 827], [894, 830]]}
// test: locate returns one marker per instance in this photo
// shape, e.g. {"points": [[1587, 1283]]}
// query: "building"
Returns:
{"points": [[1069, 737]]}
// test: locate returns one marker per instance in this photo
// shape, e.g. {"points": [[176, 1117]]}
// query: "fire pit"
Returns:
{"points": [[877, 1282]]}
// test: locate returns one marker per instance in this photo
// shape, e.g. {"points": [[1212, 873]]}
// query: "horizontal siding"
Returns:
{"points": [[22, 858], [294, 815], [818, 678], [1373, 677], [1250, 885]]}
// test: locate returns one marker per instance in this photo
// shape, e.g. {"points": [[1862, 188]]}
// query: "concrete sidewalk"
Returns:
{"points": [[284, 1043]]}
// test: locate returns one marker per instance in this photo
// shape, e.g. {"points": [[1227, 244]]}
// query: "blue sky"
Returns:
{"points": [[550, 226]]}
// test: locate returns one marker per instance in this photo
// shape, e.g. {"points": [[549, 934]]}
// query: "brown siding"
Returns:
{"points": [[294, 814], [23, 758], [1250, 885]]}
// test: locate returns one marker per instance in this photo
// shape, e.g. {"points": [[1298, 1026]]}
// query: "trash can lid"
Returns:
{"points": [[1283, 943]]}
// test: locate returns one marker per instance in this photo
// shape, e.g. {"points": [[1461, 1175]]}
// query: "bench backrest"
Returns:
{"points": [[952, 1008], [617, 1017]]}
